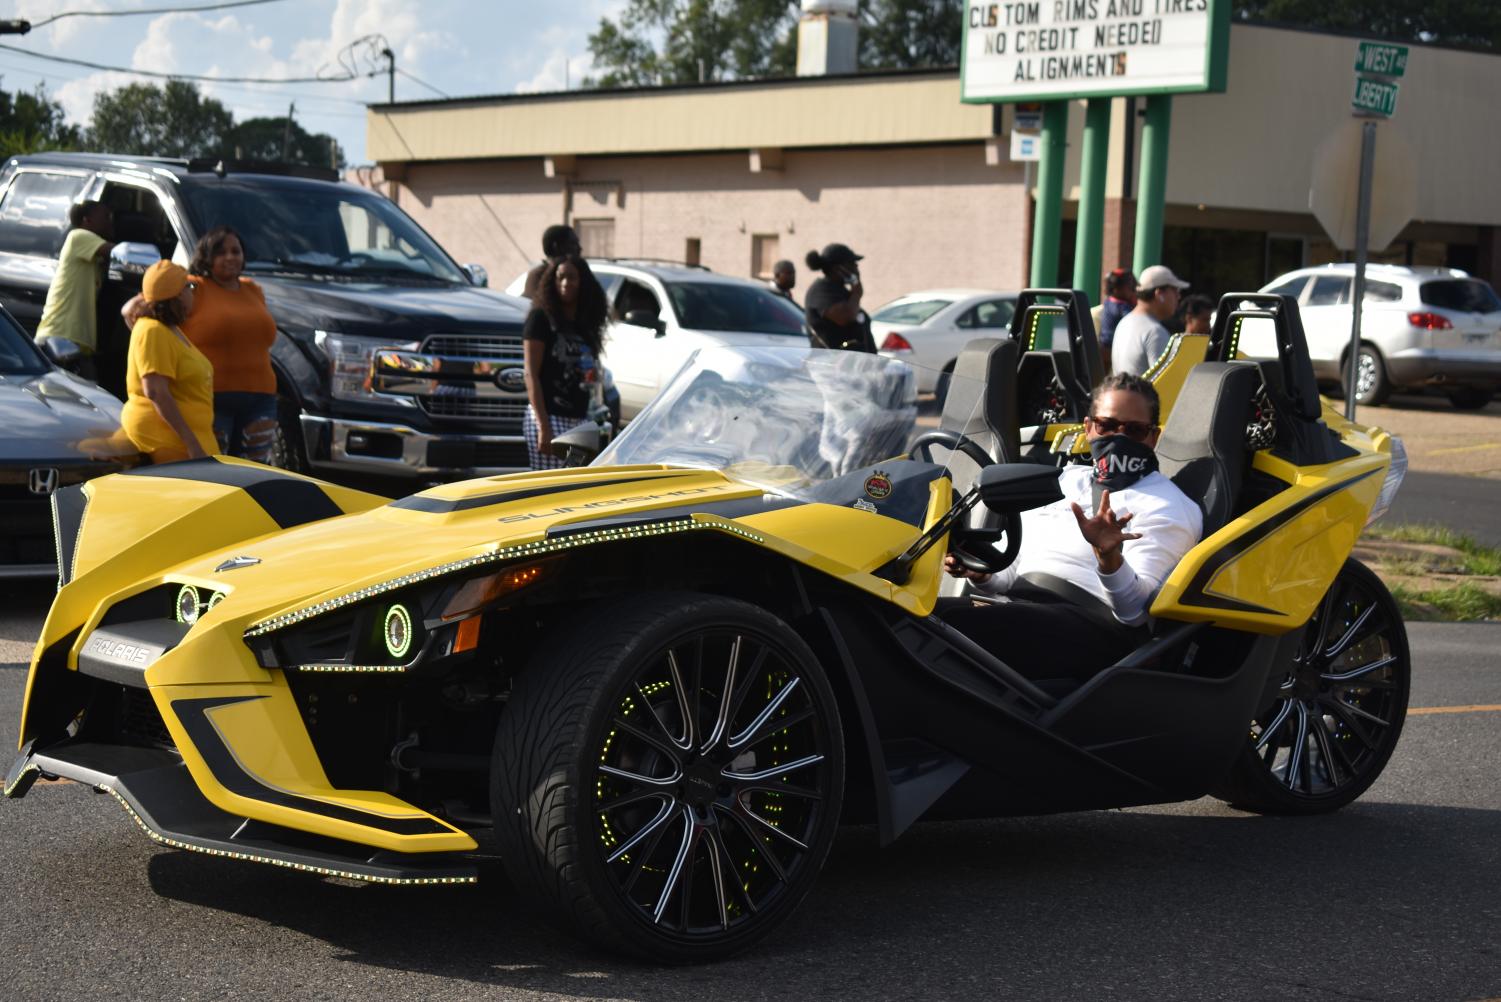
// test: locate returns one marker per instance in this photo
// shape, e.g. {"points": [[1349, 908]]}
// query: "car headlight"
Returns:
{"points": [[1393, 482], [192, 602], [350, 361]]}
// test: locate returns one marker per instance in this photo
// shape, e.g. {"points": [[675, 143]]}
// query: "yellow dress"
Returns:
{"points": [[156, 349]]}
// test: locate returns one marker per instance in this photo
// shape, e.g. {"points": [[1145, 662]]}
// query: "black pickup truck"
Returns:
{"points": [[390, 359]]}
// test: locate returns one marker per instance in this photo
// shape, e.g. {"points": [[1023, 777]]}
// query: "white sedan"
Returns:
{"points": [[930, 328]]}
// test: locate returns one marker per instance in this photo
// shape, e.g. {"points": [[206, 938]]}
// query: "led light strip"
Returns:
{"points": [[324, 871], [370, 669], [505, 553], [30, 768]]}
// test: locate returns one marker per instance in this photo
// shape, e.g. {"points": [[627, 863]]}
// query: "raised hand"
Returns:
{"points": [[1106, 532]]}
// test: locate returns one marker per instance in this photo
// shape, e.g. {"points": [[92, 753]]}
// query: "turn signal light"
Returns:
{"points": [[1429, 321], [895, 342], [477, 593]]}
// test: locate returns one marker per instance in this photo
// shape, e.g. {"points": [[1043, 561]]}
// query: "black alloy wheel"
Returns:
{"points": [[287, 450], [669, 781], [1337, 712]]}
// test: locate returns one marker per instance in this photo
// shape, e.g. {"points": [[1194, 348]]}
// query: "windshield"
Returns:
{"points": [[321, 230], [18, 355], [909, 311], [722, 306], [784, 419], [1470, 296]]}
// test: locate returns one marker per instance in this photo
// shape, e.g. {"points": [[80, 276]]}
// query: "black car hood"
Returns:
{"points": [[396, 311], [58, 417]]}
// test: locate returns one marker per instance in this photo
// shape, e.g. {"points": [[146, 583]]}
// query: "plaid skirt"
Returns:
{"points": [[530, 429]]}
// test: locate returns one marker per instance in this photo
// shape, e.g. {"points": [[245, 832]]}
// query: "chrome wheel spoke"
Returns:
{"points": [[761, 850], [718, 876], [634, 797], [749, 678], [773, 829], [640, 780], [639, 863], [1356, 673], [676, 873], [663, 815], [1271, 729], [1337, 648], [1339, 708], [772, 772], [789, 789], [1326, 614], [748, 735], [657, 718], [726, 697], [723, 851], [1296, 752], [685, 712], [1326, 754], [665, 747]]}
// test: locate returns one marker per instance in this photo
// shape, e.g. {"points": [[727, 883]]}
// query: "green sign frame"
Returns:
{"points": [[1374, 97], [1216, 67], [1382, 59]]}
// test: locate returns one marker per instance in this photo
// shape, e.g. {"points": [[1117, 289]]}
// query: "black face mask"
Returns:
{"points": [[1120, 461]]}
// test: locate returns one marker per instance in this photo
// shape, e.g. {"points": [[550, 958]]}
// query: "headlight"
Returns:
{"points": [[1393, 481], [188, 605], [350, 358], [397, 631]]}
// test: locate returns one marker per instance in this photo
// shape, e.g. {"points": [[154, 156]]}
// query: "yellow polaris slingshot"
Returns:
{"points": [[657, 685]]}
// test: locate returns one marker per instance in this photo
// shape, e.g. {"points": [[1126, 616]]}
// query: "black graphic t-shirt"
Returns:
{"points": [[568, 365], [853, 336]]}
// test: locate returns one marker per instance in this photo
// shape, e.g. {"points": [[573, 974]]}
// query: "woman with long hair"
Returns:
{"points": [[562, 342], [169, 384]]}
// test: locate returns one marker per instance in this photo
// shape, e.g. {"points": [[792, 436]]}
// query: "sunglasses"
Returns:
{"points": [[1138, 430]]}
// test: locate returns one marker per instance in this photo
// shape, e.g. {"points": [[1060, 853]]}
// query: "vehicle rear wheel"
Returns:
{"points": [[667, 780], [1335, 718], [1469, 398], [1371, 384]]}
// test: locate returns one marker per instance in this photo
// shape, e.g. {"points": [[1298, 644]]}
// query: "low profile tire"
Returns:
{"points": [[1469, 398], [1334, 720], [667, 779], [288, 451], [1372, 386]]}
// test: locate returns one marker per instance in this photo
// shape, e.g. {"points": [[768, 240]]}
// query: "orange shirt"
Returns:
{"points": [[235, 330]]}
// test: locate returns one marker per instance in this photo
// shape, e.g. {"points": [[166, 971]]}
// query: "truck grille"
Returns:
{"points": [[496, 346], [459, 404]]}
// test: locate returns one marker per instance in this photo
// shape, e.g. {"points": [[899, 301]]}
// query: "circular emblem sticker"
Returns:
{"points": [[878, 486]]}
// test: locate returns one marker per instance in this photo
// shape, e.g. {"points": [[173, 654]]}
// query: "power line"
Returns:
{"points": [[148, 10], [422, 82], [241, 88], [176, 76]]}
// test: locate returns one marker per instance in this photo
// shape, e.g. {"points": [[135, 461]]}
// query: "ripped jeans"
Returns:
{"points": [[245, 424]]}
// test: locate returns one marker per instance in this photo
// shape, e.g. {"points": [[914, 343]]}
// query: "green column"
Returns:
{"points": [[1090, 236], [1151, 192], [1047, 221]]}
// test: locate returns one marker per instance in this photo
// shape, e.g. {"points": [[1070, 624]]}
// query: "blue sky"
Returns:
{"points": [[460, 47]]}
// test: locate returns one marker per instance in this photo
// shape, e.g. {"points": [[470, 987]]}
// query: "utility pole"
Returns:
{"points": [[390, 75], [286, 132]]}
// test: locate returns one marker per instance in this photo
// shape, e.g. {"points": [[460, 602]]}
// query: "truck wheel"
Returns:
{"points": [[1332, 725], [287, 449], [667, 778]]}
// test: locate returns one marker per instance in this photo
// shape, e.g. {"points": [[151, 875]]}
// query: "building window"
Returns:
{"points": [[596, 237], [692, 250], [765, 249]]}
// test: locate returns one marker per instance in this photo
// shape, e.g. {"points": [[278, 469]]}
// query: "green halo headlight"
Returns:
{"points": [[398, 631], [188, 606], [214, 599]]}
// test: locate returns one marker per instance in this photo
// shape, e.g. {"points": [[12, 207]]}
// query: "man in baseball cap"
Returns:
{"points": [[1142, 335]]}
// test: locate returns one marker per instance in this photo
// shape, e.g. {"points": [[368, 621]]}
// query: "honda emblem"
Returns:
{"points": [[42, 480]]}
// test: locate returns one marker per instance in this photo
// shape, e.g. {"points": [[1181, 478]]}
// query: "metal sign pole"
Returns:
{"points": [[1362, 237]]}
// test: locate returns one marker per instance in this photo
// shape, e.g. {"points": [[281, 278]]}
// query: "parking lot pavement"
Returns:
{"points": [[1440, 439], [1391, 898]]}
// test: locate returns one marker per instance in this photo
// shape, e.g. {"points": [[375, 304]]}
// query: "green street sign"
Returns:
{"points": [[1375, 98], [1381, 59]]}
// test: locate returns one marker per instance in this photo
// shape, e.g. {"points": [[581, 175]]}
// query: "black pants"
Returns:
{"points": [[1042, 635]]}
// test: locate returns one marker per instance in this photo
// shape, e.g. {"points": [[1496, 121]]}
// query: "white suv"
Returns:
{"points": [[662, 313], [1420, 327]]}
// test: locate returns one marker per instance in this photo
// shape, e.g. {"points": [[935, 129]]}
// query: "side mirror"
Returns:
{"points": [[63, 352], [578, 446], [134, 258], [646, 318], [478, 275], [1018, 487]]}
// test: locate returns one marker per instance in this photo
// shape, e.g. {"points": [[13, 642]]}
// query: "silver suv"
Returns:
{"points": [[1433, 327]]}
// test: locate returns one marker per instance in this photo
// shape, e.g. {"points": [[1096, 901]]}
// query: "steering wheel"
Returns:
{"points": [[955, 441]]}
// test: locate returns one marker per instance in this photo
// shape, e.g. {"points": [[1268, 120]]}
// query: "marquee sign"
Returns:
{"points": [[1031, 50]]}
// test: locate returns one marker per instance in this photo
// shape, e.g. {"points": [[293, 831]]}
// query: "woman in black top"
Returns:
{"points": [[832, 303], [562, 341]]}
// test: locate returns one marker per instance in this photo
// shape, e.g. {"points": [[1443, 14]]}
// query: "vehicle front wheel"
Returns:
{"points": [[287, 450], [1469, 398], [1335, 718], [667, 778]]}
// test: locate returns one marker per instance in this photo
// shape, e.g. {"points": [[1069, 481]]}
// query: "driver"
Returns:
{"points": [[1078, 592]]}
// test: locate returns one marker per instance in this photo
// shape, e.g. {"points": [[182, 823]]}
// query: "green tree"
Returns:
{"points": [[31, 122], [1475, 23], [904, 34], [174, 120], [668, 41], [265, 138]]}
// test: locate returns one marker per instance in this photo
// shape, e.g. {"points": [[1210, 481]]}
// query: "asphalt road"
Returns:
{"points": [[1469, 505], [1394, 897]]}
